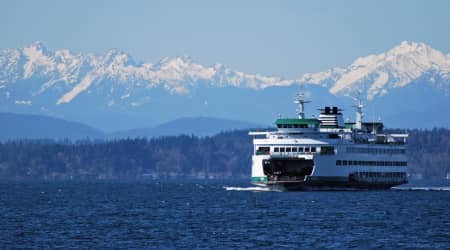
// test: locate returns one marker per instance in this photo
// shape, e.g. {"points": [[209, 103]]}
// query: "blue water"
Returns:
{"points": [[205, 214]]}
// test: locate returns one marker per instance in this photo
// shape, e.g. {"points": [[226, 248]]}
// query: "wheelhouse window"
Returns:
{"points": [[263, 150], [327, 150], [288, 149], [276, 149], [333, 136]]}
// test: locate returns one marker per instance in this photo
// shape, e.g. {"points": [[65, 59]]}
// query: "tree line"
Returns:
{"points": [[225, 155]]}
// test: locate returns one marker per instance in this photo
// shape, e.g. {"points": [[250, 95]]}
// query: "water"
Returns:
{"points": [[217, 214]]}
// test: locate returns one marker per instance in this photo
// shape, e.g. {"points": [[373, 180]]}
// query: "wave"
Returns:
{"points": [[421, 188], [254, 189]]}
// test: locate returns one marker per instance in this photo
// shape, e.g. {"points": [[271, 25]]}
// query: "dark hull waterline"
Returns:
{"points": [[326, 186]]}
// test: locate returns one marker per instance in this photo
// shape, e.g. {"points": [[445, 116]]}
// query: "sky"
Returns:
{"points": [[281, 38]]}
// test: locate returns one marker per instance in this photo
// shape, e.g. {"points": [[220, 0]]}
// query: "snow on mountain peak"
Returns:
{"points": [[116, 56], [37, 45], [72, 74], [398, 67], [75, 73], [38, 60]]}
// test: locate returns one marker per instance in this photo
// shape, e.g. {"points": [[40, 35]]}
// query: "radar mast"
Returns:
{"points": [[359, 110], [300, 105]]}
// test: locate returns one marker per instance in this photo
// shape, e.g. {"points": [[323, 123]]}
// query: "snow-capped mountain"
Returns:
{"points": [[76, 73], [128, 94], [376, 75]]}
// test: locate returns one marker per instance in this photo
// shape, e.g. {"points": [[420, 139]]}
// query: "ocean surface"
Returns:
{"points": [[195, 214]]}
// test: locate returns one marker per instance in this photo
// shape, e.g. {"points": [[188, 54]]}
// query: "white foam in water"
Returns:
{"points": [[267, 189], [421, 188], [257, 189]]}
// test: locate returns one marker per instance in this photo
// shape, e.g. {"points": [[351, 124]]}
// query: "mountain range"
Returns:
{"points": [[21, 126], [199, 126], [407, 86]]}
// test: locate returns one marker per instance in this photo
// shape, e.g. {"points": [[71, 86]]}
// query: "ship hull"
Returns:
{"points": [[329, 184], [321, 172]]}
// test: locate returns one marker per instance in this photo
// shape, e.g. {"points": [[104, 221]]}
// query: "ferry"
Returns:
{"points": [[327, 153]]}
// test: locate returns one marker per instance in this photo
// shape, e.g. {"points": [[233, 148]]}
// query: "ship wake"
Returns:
{"points": [[252, 189], [421, 188]]}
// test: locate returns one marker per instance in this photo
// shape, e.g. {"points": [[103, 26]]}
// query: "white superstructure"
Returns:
{"points": [[308, 153]]}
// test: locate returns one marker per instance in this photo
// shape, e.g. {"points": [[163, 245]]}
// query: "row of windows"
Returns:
{"points": [[376, 150], [380, 174], [294, 149], [324, 150], [292, 125], [370, 163]]}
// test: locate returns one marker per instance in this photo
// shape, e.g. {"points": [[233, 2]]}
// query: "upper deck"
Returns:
{"points": [[328, 128]]}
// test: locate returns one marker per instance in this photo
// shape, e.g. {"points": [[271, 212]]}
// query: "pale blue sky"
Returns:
{"points": [[284, 38]]}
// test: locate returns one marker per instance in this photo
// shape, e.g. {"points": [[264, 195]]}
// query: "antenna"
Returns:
{"points": [[359, 110], [373, 121], [300, 105]]}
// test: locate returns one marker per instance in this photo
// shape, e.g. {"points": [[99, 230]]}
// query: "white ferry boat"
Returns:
{"points": [[328, 153]]}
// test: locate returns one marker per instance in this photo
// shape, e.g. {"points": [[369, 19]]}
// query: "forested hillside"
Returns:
{"points": [[429, 152], [222, 156]]}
